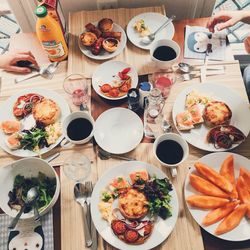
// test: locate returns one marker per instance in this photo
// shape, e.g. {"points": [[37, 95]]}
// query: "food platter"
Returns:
{"points": [[118, 130], [162, 228], [153, 21], [198, 135], [7, 114], [107, 73], [104, 55], [214, 160]]}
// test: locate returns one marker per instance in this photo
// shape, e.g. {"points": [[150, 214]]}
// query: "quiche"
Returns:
{"points": [[217, 113], [133, 204]]}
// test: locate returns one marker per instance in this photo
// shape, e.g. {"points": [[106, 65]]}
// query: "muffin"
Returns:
{"points": [[105, 25]]}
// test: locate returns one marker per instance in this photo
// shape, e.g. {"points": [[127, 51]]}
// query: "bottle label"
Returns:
{"points": [[54, 50]]}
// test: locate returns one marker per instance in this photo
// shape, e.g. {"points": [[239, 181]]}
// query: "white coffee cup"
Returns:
{"points": [[177, 138], [164, 42], [68, 142]]}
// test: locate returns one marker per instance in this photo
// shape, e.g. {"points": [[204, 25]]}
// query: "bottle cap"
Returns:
{"points": [[145, 86], [41, 11]]}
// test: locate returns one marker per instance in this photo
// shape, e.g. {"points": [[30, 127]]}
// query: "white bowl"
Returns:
{"points": [[28, 167], [164, 42]]}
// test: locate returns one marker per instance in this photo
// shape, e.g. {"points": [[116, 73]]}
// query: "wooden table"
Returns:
{"points": [[186, 234]]}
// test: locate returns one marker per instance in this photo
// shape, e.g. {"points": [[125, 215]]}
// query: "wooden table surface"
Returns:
{"points": [[187, 233]]}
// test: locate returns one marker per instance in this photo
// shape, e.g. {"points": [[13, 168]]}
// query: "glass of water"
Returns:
{"points": [[77, 167]]}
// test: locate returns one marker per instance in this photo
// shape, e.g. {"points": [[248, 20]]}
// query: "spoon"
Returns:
{"points": [[46, 72], [104, 155], [31, 196], [35, 195], [151, 37], [187, 68]]}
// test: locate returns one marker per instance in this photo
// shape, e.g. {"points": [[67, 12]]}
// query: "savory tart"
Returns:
{"points": [[184, 121], [196, 114], [105, 25], [46, 112], [217, 113], [88, 38], [133, 204], [10, 127], [110, 44]]}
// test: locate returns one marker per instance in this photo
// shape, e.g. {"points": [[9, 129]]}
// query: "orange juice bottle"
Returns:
{"points": [[50, 35]]}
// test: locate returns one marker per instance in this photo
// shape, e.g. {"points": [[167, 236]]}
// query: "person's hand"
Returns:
{"points": [[9, 60], [247, 44], [225, 19]]}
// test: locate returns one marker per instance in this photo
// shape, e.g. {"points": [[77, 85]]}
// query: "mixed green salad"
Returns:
{"points": [[46, 189]]}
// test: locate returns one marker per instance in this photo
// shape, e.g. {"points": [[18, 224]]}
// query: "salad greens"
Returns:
{"points": [[46, 188], [157, 193]]}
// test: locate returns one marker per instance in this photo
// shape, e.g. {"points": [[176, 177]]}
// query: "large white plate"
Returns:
{"points": [[241, 232], [7, 114], [153, 21], [162, 228], [105, 74], [104, 55], [240, 114], [118, 130]]}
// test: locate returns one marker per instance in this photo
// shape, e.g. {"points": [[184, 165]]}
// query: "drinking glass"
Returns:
{"points": [[76, 86], [77, 167]]}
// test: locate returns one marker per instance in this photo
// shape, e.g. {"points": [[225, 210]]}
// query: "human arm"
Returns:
{"points": [[8, 61], [225, 19]]}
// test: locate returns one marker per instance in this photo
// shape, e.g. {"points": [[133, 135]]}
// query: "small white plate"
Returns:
{"points": [[7, 114], [214, 160], [104, 55], [162, 228], [105, 74], [240, 114], [118, 130], [153, 21]]}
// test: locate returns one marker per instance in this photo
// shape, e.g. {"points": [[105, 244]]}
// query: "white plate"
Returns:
{"points": [[153, 21], [118, 130], [240, 114], [241, 232], [105, 74], [104, 54], [162, 228], [7, 114]]}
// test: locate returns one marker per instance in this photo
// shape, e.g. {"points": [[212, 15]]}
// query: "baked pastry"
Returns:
{"points": [[217, 113], [10, 127], [133, 204], [184, 121], [196, 114], [47, 112], [105, 25], [88, 38], [110, 44]]}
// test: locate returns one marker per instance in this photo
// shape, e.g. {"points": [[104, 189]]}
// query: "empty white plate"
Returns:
{"points": [[118, 130]]}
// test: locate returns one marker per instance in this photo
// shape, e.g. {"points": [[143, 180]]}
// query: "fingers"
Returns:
{"points": [[24, 57], [247, 44], [227, 24], [18, 69]]}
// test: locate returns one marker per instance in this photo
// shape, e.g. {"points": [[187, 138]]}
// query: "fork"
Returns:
{"points": [[89, 187], [80, 193]]}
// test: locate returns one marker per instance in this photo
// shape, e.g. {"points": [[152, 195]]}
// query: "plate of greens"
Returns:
{"points": [[160, 208], [30, 122]]}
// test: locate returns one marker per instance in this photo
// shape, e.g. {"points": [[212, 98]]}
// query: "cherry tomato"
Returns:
{"points": [[114, 92], [105, 88], [119, 227]]}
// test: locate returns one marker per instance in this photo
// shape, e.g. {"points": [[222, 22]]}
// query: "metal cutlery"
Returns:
{"points": [[80, 193], [104, 155], [92, 229], [46, 72]]}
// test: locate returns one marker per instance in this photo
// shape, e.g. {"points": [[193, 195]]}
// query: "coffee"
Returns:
{"points": [[169, 152], [79, 129], [164, 53]]}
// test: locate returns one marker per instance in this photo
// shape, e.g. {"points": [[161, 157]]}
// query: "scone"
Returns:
{"points": [[46, 112], [217, 113], [133, 204]]}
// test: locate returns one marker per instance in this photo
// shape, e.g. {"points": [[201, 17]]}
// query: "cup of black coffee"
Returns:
{"points": [[78, 128], [171, 150], [164, 53]]}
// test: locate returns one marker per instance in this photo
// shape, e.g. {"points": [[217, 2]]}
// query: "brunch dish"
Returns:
{"points": [[211, 117], [45, 186], [102, 40], [134, 203], [30, 123], [217, 195], [146, 23], [113, 79]]}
